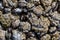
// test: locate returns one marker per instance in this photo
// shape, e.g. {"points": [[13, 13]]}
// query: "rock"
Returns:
{"points": [[37, 29], [2, 34], [31, 34], [18, 35], [38, 10], [33, 19], [17, 11], [36, 2], [54, 21], [46, 37], [6, 15], [54, 6], [6, 10], [55, 15], [5, 3], [31, 38], [22, 1], [59, 0], [1, 6], [55, 36], [12, 3], [25, 10], [30, 5], [7, 35], [22, 36], [59, 38], [52, 29], [46, 2], [48, 9], [0, 26], [16, 23], [25, 26], [22, 4], [44, 22], [6, 20], [14, 17], [59, 9], [32, 15], [58, 27]]}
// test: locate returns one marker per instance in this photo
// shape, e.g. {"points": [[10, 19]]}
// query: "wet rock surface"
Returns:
{"points": [[29, 19]]}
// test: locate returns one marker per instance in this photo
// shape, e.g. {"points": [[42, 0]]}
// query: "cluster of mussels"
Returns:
{"points": [[29, 19]]}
